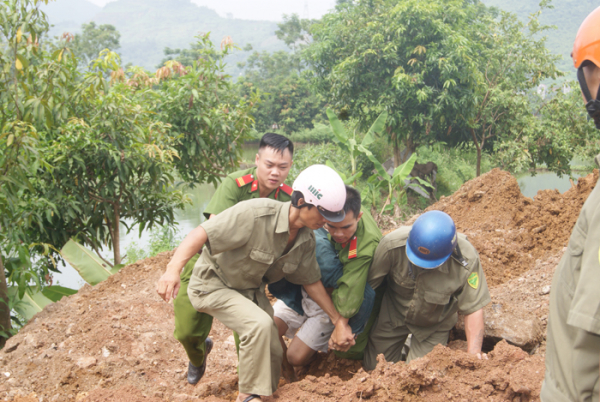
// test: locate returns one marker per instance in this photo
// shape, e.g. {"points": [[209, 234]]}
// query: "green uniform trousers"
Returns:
{"points": [[260, 353], [191, 327], [389, 338]]}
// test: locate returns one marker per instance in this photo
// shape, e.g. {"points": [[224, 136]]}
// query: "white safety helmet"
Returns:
{"points": [[322, 187]]}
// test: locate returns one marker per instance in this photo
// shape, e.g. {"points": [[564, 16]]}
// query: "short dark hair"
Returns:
{"points": [[277, 142], [352, 201], [295, 197]]}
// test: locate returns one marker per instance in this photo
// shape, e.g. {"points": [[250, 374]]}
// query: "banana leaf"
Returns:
{"points": [[31, 303], [91, 268], [376, 128], [55, 293]]}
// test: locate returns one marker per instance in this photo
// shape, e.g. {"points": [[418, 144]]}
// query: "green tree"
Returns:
{"points": [[294, 31], [410, 58], [112, 165], [552, 135], [21, 25], [84, 153], [93, 38], [205, 112], [511, 63], [287, 100]]}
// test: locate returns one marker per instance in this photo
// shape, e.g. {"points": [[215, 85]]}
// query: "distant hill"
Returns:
{"points": [[148, 26], [68, 15], [566, 15]]}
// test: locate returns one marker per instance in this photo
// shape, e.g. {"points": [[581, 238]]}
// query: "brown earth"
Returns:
{"points": [[511, 231], [114, 342]]}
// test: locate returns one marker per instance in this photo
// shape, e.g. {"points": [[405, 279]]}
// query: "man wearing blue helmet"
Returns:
{"points": [[432, 274]]}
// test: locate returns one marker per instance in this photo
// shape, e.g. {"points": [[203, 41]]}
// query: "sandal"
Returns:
{"points": [[253, 396]]}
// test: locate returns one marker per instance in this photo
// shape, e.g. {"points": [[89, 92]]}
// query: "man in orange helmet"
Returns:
{"points": [[573, 339]]}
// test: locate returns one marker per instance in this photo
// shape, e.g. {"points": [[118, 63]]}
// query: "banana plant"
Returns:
{"points": [[396, 182], [33, 301], [347, 141], [29, 300], [347, 180], [91, 268]]}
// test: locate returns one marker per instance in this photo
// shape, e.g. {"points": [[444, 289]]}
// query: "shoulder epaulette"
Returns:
{"points": [[244, 180], [285, 188]]}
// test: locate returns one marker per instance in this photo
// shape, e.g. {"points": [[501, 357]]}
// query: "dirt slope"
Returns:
{"points": [[511, 231], [114, 342]]}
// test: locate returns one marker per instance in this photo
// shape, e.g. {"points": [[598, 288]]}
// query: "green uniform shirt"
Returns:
{"points": [[348, 296], [573, 339], [245, 249], [229, 193], [427, 300]]}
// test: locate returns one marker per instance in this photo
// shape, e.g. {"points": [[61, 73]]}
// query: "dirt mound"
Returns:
{"points": [[114, 341], [510, 231], [443, 375]]}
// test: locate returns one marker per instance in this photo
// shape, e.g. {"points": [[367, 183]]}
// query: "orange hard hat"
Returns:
{"points": [[587, 41]]}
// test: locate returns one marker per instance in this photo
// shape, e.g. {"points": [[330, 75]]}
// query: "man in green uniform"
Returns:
{"points": [[248, 246], [266, 180], [344, 253], [432, 273], [573, 339]]}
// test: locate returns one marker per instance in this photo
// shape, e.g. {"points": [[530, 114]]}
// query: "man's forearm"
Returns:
{"points": [[189, 247], [317, 292], [474, 330]]}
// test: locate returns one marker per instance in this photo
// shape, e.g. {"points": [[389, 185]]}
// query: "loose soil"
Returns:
{"points": [[114, 342]]}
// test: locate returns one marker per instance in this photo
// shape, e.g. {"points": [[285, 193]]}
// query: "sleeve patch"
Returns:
{"points": [[473, 280]]}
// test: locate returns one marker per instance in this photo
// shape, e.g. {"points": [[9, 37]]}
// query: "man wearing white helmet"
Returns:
{"points": [[249, 245]]}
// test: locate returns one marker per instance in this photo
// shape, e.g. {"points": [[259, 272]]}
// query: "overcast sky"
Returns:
{"points": [[271, 10]]}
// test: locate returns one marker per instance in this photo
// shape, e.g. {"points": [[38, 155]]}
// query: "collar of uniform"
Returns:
{"points": [[445, 266], [283, 221]]}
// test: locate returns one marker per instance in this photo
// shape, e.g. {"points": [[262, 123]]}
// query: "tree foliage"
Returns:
{"points": [[411, 59], [93, 38], [287, 101], [88, 150], [204, 111], [510, 64]]}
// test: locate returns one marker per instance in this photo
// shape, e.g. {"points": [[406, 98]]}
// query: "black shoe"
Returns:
{"points": [[195, 373]]}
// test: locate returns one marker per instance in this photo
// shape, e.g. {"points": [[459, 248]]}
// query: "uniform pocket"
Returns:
{"points": [[428, 309], [437, 298], [263, 257]]}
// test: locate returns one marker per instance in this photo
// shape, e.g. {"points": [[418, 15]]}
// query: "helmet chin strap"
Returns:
{"points": [[592, 105]]}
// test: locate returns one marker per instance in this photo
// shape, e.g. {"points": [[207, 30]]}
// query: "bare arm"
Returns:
{"points": [[169, 283], [474, 329], [342, 337]]}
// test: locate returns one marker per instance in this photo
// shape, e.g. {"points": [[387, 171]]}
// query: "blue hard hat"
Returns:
{"points": [[431, 240]]}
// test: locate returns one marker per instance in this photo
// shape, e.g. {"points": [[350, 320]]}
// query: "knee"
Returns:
{"points": [[299, 356], [262, 325], [294, 358]]}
